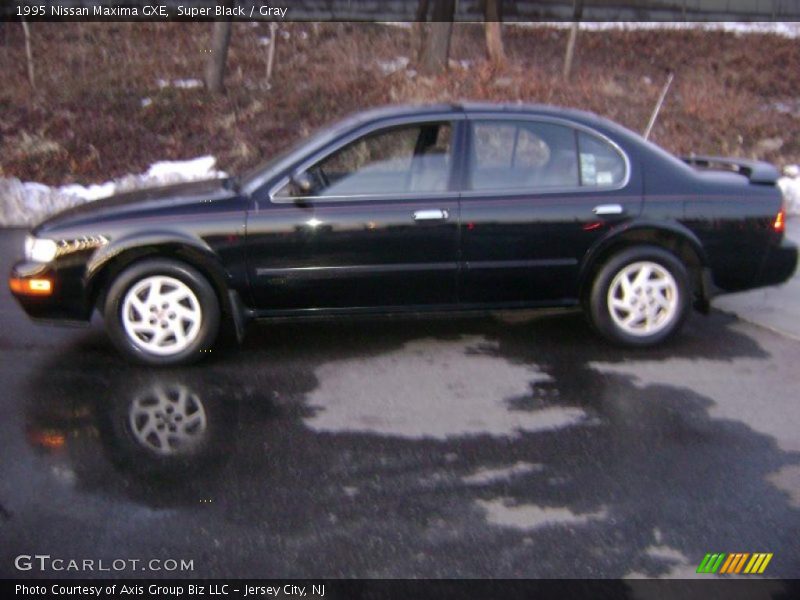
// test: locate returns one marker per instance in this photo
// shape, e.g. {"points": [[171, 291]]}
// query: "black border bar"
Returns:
{"points": [[395, 10], [403, 589]]}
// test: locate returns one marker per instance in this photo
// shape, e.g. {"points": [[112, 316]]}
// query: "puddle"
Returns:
{"points": [[740, 389]]}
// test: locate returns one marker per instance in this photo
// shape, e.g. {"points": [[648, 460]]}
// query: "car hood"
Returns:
{"points": [[120, 205]]}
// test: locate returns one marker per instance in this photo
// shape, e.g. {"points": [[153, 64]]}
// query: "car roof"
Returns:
{"points": [[401, 111], [409, 110]]}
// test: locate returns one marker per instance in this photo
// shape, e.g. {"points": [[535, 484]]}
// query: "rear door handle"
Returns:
{"points": [[431, 214], [608, 209]]}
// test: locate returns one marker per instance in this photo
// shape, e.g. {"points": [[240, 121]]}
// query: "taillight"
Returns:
{"points": [[779, 225]]}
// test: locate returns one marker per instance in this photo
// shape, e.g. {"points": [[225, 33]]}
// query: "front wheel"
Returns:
{"points": [[640, 297], [162, 312]]}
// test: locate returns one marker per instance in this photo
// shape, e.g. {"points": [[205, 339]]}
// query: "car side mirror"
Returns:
{"points": [[302, 183]]}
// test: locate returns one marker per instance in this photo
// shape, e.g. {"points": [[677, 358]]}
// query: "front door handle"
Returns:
{"points": [[431, 214], [602, 210]]}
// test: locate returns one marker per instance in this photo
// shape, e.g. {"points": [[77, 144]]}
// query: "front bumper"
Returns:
{"points": [[780, 264], [61, 298]]}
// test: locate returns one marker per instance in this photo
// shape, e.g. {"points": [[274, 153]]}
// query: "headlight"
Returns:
{"points": [[40, 250]]}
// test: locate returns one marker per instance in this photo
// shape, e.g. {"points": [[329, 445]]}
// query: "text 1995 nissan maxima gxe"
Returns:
{"points": [[425, 208]]}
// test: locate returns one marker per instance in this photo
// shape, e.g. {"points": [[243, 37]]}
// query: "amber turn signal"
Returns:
{"points": [[780, 222], [31, 287], [47, 439]]}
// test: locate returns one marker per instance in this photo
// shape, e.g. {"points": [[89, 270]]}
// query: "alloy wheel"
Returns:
{"points": [[643, 298], [161, 315]]}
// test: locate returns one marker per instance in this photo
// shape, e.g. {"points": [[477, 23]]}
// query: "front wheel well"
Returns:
{"points": [[103, 279], [672, 242]]}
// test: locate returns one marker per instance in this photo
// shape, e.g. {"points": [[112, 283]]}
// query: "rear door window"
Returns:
{"points": [[522, 155]]}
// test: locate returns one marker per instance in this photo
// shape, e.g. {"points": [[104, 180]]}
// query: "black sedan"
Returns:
{"points": [[425, 208]]}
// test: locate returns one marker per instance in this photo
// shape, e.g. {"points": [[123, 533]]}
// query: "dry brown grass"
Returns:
{"points": [[86, 121]]}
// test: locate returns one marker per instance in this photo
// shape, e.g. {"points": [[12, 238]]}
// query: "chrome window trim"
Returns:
{"points": [[452, 118], [422, 196], [504, 192]]}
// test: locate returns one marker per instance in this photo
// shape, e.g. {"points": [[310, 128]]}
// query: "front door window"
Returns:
{"points": [[402, 160]]}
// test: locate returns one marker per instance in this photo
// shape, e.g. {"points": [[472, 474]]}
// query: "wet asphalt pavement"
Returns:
{"points": [[458, 447]]}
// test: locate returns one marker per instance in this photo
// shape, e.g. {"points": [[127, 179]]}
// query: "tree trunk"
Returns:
{"points": [[29, 53], [573, 37], [435, 47], [494, 33], [215, 68], [418, 30]]}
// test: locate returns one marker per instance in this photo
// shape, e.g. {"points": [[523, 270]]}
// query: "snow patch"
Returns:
{"points": [[787, 30], [388, 67], [185, 84], [90, 192], [460, 64], [790, 186], [26, 203], [196, 168]]}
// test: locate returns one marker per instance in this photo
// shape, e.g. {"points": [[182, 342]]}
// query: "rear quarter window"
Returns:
{"points": [[601, 165]]}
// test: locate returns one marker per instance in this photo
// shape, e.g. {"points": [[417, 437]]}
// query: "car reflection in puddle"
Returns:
{"points": [[168, 420], [166, 431]]}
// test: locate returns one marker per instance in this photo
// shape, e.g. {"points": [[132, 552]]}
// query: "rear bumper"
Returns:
{"points": [[779, 265], [47, 294]]}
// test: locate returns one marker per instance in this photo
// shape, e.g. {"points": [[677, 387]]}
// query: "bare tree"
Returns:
{"points": [[573, 37], [28, 53], [434, 50], [493, 15], [273, 41], [215, 67]]}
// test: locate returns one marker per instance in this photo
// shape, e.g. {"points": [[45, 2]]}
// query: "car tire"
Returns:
{"points": [[640, 297], [162, 312]]}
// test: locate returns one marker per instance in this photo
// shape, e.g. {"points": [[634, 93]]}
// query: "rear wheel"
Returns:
{"points": [[640, 297], [162, 312]]}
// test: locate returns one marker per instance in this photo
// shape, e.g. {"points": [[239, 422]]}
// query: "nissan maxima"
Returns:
{"points": [[439, 208]]}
